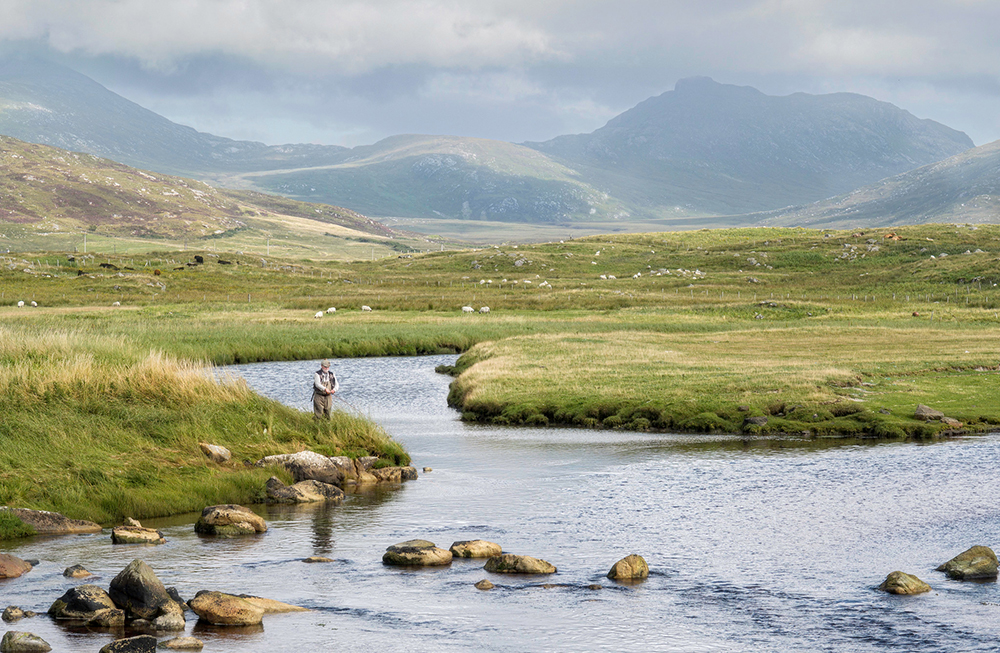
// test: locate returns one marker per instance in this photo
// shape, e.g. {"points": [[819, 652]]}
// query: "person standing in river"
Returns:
{"points": [[325, 385]]}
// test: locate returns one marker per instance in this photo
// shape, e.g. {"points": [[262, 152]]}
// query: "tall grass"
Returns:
{"points": [[100, 429]]}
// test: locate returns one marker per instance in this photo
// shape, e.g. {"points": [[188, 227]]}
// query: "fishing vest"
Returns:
{"points": [[326, 378]]}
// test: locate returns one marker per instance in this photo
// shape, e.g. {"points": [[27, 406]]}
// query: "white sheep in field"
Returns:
{"points": [[34, 303], [116, 303], [366, 308], [318, 315], [331, 310], [468, 309], [20, 304], [484, 309]]}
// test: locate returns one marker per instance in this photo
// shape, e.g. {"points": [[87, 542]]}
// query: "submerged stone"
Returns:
{"points": [[899, 582]]}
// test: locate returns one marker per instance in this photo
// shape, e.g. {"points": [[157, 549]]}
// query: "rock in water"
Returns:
{"points": [[977, 562], [475, 549], [899, 582], [183, 644], [416, 553], [110, 618], [13, 613], [225, 609], [302, 492], [140, 644], [632, 567], [19, 642], [229, 521], [270, 606], [508, 563], [12, 566], [81, 603], [216, 453], [138, 591], [484, 585], [76, 571], [317, 559], [136, 535]]}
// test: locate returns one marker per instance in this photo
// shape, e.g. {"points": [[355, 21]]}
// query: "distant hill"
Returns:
{"points": [[963, 188], [48, 194], [732, 149], [704, 149]]}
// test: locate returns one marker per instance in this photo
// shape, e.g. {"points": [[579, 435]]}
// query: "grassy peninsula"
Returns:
{"points": [[834, 333]]}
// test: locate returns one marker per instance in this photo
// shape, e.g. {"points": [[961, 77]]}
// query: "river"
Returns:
{"points": [[753, 545]]}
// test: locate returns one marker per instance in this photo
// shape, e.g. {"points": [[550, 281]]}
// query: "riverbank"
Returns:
{"points": [[101, 429]]}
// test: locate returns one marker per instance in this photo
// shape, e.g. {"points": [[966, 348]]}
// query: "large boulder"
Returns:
{"points": [[475, 549], [229, 520], [20, 642], [899, 582], [302, 492], [132, 532], [309, 465], [138, 644], [977, 562], [12, 566], [52, 523], [216, 453], [508, 563], [225, 609], [138, 591], [631, 567], [110, 618], [416, 553], [80, 603]]}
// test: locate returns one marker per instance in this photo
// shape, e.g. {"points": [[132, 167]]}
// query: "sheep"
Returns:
{"points": [[331, 310], [318, 315], [34, 303], [366, 308], [468, 309], [20, 304], [484, 309], [116, 303]]}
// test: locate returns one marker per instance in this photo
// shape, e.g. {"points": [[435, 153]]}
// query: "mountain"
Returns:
{"points": [[703, 149], [732, 149], [50, 197], [963, 188], [43, 102]]}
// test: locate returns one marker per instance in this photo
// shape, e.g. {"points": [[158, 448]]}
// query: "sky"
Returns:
{"points": [[350, 72]]}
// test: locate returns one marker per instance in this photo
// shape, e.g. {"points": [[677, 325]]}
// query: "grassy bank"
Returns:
{"points": [[101, 429]]}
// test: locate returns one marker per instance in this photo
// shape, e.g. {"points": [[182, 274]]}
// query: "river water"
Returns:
{"points": [[753, 545]]}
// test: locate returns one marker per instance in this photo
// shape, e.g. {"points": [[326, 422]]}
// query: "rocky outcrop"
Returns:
{"points": [[81, 603], [138, 592], [416, 553], [138, 644], [132, 532], [475, 549], [508, 563], [76, 571], [927, 414], [977, 562], [229, 520], [899, 582], [216, 453], [302, 492], [630, 568], [52, 523], [225, 609], [337, 470], [12, 566], [20, 642]]}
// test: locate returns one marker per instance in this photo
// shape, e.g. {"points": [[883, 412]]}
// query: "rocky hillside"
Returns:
{"points": [[732, 149], [963, 188]]}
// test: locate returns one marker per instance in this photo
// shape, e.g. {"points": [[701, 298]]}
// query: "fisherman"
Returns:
{"points": [[324, 386]]}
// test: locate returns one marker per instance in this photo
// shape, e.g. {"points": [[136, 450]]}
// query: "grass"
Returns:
{"points": [[101, 429], [837, 333]]}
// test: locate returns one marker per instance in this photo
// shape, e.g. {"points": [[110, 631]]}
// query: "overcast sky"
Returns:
{"points": [[350, 72]]}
